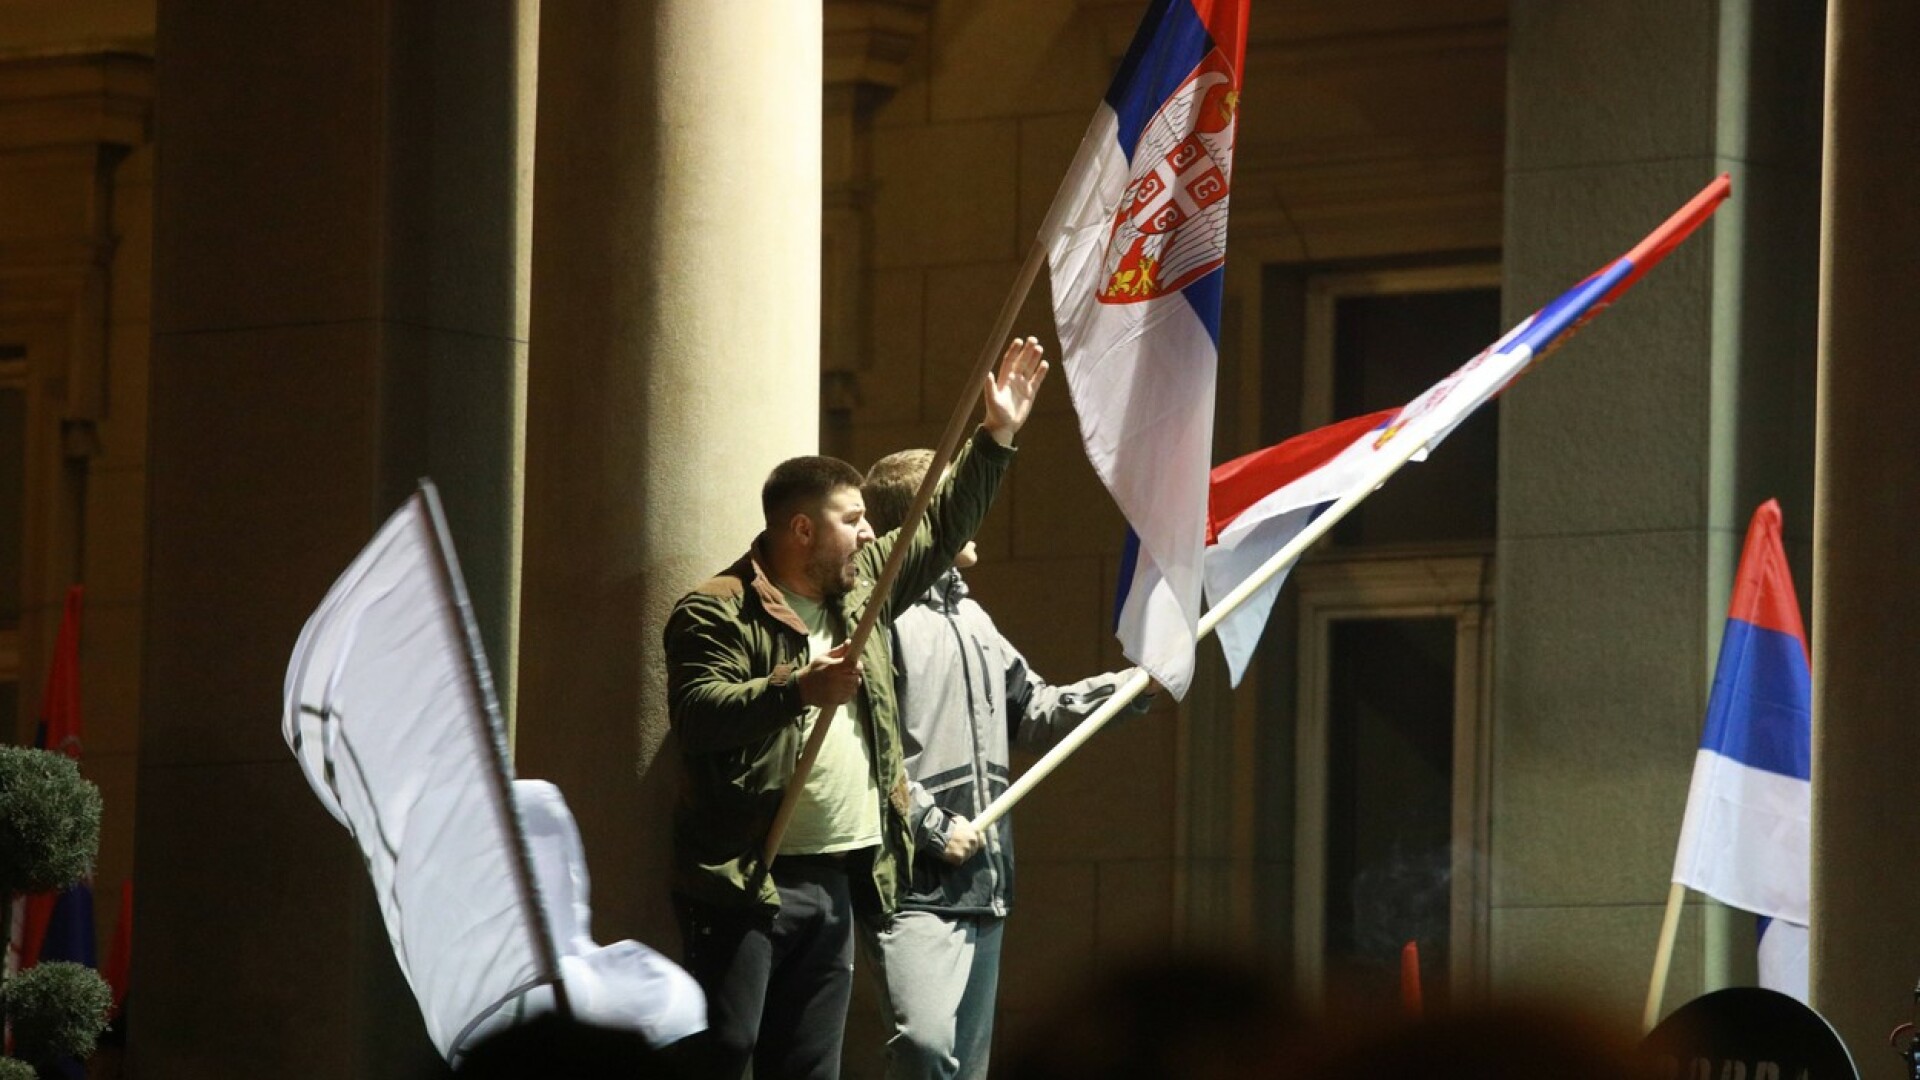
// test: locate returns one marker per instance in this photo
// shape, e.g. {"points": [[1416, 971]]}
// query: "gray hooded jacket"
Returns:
{"points": [[965, 693]]}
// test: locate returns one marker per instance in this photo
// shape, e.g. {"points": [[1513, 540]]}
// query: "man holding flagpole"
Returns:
{"points": [[965, 694], [756, 657]]}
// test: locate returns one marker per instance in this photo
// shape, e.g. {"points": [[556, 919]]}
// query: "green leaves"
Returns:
{"points": [[57, 1010], [49, 821]]}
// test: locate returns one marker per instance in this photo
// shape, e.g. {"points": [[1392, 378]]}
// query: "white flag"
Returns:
{"points": [[390, 712]]}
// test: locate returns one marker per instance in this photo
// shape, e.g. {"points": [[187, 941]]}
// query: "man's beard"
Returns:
{"points": [[833, 577]]}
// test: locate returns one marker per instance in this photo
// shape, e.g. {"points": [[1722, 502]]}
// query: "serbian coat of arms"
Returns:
{"points": [[1171, 225]]}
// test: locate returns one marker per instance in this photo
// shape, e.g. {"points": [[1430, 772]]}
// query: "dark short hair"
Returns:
{"points": [[801, 485], [891, 485]]}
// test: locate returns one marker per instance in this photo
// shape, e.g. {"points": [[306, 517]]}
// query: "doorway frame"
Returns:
{"points": [[1324, 293], [1456, 587]]}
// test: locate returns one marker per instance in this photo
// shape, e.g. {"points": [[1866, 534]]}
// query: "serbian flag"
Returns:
{"points": [[1744, 838], [1264, 500], [1137, 245], [58, 926], [1262, 504]]}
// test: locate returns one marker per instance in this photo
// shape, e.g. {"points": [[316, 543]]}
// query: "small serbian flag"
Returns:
{"points": [[1137, 247], [1259, 504], [1744, 840], [58, 925]]}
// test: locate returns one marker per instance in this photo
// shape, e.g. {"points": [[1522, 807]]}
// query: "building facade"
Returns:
{"points": [[596, 266]]}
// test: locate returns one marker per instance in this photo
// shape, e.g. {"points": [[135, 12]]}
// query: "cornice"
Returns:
{"points": [[1335, 201], [98, 99], [869, 43]]}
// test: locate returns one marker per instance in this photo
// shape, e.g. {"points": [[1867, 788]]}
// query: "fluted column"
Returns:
{"points": [[675, 360], [338, 309], [1866, 921]]}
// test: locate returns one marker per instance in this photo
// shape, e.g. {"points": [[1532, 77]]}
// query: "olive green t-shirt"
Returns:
{"points": [[839, 809]]}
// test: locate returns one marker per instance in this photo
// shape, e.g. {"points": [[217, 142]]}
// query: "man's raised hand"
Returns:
{"points": [[1010, 391]]}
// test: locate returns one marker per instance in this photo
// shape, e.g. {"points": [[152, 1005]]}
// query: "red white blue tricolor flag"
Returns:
{"points": [[1259, 503], [1137, 245], [58, 925], [1744, 840], [1262, 501]]}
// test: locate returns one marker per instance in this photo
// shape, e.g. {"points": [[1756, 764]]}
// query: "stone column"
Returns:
{"points": [[75, 237], [338, 309], [676, 337], [1631, 459], [1866, 922], [868, 48]]}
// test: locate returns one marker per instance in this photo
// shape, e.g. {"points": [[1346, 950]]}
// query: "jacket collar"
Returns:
{"points": [[771, 598], [946, 593]]}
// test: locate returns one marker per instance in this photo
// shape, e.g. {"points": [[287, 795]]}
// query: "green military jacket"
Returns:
{"points": [[733, 648]]}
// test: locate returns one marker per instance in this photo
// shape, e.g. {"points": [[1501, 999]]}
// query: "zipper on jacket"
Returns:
{"points": [[989, 845], [973, 720], [984, 789]]}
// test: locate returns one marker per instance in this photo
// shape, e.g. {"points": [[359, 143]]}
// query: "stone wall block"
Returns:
{"points": [[1595, 959], [1620, 413], [1643, 76], [945, 194], [1600, 707]]}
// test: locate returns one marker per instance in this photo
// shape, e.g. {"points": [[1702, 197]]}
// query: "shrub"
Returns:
{"points": [[49, 821], [57, 1010]]}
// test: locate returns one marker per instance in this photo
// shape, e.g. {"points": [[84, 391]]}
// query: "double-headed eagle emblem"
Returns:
{"points": [[1171, 224]]}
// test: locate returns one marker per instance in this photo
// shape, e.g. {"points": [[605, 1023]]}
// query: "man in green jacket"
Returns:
{"points": [[755, 657]]}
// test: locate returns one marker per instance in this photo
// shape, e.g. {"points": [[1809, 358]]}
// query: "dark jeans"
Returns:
{"points": [[776, 993]]}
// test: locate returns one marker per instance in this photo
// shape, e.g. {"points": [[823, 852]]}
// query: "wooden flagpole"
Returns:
{"points": [[1663, 956], [1135, 685], [949, 442]]}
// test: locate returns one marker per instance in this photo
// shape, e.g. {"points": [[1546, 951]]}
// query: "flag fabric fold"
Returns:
{"points": [[59, 925], [1782, 955], [1260, 503], [1136, 246], [1745, 838], [388, 709]]}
